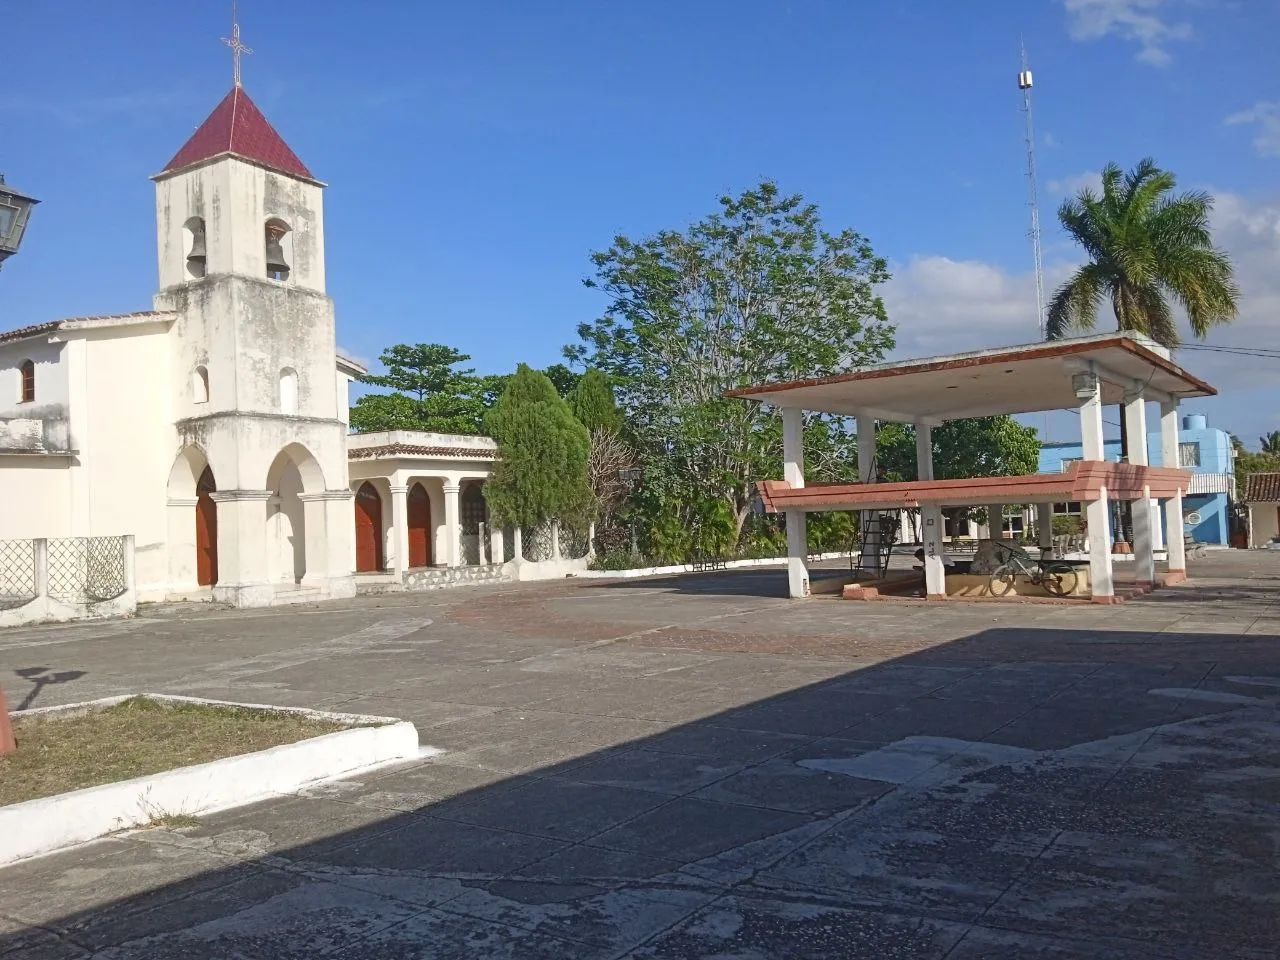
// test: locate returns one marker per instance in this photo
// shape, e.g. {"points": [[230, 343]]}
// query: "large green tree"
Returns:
{"points": [[977, 447], [431, 392], [758, 291], [1270, 444], [541, 472], [593, 402], [1148, 249]]}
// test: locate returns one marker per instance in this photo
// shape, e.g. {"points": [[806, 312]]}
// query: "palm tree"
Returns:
{"points": [[1271, 443], [1146, 247]]}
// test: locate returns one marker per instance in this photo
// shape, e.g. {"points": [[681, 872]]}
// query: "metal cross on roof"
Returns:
{"points": [[237, 47]]}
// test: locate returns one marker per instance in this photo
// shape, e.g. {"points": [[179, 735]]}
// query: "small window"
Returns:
{"points": [[1068, 461], [28, 391], [1071, 509], [289, 391], [1189, 454], [279, 249], [200, 385]]}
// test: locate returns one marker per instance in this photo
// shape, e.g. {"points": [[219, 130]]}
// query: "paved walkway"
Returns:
{"points": [[691, 767]]}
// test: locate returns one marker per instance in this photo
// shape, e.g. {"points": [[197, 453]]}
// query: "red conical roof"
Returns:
{"points": [[238, 127]]}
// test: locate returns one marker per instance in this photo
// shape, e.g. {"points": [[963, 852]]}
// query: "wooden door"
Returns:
{"points": [[419, 527], [368, 529], [206, 531]]}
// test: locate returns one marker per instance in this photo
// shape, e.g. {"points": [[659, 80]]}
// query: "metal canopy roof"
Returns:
{"points": [[1021, 379]]}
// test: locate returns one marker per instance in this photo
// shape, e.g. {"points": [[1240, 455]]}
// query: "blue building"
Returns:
{"points": [[1205, 451]]}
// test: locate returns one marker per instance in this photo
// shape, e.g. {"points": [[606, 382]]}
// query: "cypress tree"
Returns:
{"points": [[594, 404], [543, 451]]}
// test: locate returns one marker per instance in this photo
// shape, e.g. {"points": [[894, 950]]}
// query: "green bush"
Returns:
{"points": [[1064, 524]]}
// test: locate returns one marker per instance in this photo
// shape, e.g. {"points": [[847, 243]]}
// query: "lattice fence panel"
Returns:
{"points": [[537, 542], [87, 569], [574, 543], [17, 573]]}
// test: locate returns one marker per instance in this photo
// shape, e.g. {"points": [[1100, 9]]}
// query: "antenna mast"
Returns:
{"points": [[1024, 84]]}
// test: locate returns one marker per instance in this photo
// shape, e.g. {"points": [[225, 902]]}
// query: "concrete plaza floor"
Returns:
{"points": [[696, 767]]}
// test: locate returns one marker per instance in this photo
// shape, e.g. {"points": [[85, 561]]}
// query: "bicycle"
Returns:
{"points": [[1056, 577]]}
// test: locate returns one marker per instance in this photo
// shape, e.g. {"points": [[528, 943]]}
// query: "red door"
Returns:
{"points": [[419, 527], [206, 531], [368, 529]]}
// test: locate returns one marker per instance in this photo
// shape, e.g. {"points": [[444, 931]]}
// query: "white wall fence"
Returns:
{"points": [[547, 552], [66, 578]]}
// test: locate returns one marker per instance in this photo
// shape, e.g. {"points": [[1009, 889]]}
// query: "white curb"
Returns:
{"points": [[688, 567], [42, 826]]}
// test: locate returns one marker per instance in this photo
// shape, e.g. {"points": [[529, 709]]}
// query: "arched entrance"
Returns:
{"points": [[368, 529], [474, 515], [419, 526], [206, 531]]}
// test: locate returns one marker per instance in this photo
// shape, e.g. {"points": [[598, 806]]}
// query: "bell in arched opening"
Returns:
{"points": [[197, 262], [277, 265]]}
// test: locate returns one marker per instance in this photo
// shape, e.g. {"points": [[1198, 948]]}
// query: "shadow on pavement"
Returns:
{"points": [[1016, 793]]}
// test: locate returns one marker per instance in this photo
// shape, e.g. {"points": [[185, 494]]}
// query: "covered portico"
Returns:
{"points": [[420, 503], [1081, 374]]}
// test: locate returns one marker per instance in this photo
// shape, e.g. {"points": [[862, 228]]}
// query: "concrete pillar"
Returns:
{"points": [[935, 571], [452, 525], [866, 448], [1097, 515], [1044, 528], [1157, 528], [995, 520], [400, 530], [555, 540], [1173, 506], [1135, 420], [924, 451], [243, 578], [497, 544], [517, 544], [329, 528], [797, 529], [1089, 393]]}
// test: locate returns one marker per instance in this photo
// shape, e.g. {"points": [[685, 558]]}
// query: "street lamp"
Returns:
{"points": [[632, 477], [15, 208]]}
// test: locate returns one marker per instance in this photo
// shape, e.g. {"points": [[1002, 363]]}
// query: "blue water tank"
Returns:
{"points": [[1195, 421]]}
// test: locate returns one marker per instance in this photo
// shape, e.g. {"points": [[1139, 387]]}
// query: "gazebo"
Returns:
{"points": [[1081, 374]]}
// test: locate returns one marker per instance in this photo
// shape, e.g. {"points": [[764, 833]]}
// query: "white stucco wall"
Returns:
{"points": [[1263, 523], [44, 421], [127, 444], [235, 200]]}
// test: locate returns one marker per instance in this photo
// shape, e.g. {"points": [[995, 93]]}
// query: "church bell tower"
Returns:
{"points": [[240, 243]]}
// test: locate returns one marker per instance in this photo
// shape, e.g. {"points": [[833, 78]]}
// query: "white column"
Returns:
{"points": [[797, 529], [242, 548], [1172, 506], [866, 449], [931, 523], [1135, 421], [1044, 528], [995, 520], [1091, 418], [497, 546], [400, 530], [1097, 515], [452, 525]]}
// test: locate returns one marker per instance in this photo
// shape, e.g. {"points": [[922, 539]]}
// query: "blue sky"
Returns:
{"points": [[477, 153]]}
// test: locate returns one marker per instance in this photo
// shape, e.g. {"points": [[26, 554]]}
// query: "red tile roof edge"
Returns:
{"points": [[410, 449], [1262, 488], [236, 127], [21, 333]]}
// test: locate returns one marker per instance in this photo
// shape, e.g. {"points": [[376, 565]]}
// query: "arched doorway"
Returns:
{"points": [[368, 529], [419, 526], [474, 515], [206, 531]]}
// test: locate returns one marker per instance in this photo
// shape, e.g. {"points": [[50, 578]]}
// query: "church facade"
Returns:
{"points": [[213, 427]]}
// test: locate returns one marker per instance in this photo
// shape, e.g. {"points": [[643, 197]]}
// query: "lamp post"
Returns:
{"points": [[15, 209], [631, 476]]}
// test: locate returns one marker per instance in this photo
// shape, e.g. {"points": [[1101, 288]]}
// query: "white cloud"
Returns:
{"points": [[943, 306], [1139, 21], [1264, 116], [1050, 141], [1076, 182]]}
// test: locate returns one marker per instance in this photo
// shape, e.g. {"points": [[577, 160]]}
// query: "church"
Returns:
{"points": [[213, 428]]}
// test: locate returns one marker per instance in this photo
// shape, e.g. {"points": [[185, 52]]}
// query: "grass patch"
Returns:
{"points": [[137, 737]]}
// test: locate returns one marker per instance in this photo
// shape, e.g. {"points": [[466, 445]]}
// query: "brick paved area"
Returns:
{"points": [[696, 767]]}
